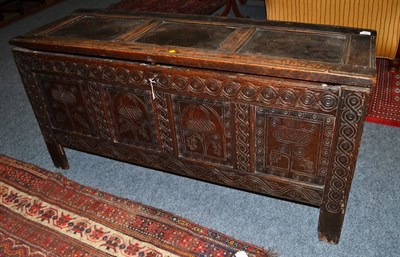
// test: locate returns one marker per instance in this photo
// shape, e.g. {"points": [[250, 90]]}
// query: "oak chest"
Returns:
{"points": [[273, 108]]}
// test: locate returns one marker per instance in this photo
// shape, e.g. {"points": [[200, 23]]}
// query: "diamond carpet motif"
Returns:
{"points": [[385, 99]]}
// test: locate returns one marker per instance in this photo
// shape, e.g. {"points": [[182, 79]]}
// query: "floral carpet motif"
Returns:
{"points": [[45, 214]]}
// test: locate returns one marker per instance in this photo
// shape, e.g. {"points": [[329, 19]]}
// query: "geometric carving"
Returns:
{"points": [[293, 144], [24, 64], [350, 126], [164, 124], [242, 114], [273, 127], [274, 93], [204, 128], [251, 182], [95, 98]]}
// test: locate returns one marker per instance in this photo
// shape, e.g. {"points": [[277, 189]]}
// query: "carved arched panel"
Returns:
{"points": [[204, 129], [131, 114], [68, 105]]}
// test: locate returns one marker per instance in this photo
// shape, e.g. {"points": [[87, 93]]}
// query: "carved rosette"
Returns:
{"points": [[350, 128], [293, 144], [242, 114]]}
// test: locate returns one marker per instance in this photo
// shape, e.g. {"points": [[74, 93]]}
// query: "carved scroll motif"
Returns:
{"points": [[164, 123], [24, 64], [94, 94], [350, 126], [242, 115], [251, 182]]}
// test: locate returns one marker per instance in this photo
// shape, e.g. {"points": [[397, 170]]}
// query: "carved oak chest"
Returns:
{"points": [[273, 108]]}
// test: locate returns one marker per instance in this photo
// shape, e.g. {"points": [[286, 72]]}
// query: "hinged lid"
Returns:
{"points": [[288, 50]]}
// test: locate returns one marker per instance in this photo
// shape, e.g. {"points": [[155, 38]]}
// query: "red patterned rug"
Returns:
{"points": [[204, 7], [45, 214], [385, 102]]}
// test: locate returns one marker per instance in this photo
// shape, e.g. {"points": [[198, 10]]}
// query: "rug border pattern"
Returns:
{"points": [[41, 179]]}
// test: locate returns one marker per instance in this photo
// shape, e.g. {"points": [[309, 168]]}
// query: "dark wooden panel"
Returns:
{"points": [[204, 129], [294, 145], [95, 28], [131, 114], [297, 45], [359, 45], [67, 104], [187, 35]]}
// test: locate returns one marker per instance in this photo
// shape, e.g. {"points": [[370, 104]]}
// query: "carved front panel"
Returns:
{"points": [[204, 129], [67, 104], [132, 116], [243, 130], [294, 144]]}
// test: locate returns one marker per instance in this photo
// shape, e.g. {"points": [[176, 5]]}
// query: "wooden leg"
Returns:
{"points": [[58, 155], [231, 4], [330, 226], [338, 180]]}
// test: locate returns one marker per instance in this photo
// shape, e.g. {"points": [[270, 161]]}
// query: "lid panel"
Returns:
{"points": [[290, 44], [280, 49], [359, 45], [187, 35], [96, 28]]}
